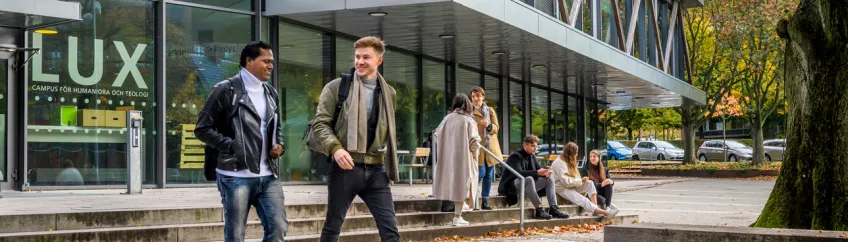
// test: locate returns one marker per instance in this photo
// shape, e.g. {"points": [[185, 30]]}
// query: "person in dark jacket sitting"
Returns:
{"points": [[536, 178]]}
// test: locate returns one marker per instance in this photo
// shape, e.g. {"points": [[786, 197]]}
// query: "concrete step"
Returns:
{"points": [[297, 227], [432, 232], [136, 218]]}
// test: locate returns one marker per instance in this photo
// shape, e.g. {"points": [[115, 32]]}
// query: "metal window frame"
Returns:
{"points": [[216, 8]]}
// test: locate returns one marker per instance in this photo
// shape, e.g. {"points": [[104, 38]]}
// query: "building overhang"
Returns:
{"points": [[35, 14], [479, 28]]}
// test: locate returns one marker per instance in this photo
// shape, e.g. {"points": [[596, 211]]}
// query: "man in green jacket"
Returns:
{"points": [[362, 142]]}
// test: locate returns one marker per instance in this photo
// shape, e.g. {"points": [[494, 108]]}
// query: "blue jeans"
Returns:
{"points": [[263, 193], [487, 175]]}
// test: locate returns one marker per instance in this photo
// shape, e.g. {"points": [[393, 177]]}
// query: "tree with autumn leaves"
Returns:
{"points": [[755, 62], [727, 106]]}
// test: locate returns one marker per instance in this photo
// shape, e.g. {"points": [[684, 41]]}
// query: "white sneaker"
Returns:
{"points": [[460, 222], [612, 213], [466, 208]]}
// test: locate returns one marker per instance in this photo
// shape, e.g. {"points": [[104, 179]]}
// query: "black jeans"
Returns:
{"points": [[606, 192], [371, 184]]}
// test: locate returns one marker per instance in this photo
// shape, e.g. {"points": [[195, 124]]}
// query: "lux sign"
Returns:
{"points": [[73, 68]]}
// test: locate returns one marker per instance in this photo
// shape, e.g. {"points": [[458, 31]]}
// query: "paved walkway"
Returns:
{"points": [[68, 201]]}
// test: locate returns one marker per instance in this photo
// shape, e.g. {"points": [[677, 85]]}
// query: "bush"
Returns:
{"points": [[728, 166]]}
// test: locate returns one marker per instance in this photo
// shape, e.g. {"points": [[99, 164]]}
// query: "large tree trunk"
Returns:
{"points": [[812, 189], [629, 134], [757, 138], [688, 140]]}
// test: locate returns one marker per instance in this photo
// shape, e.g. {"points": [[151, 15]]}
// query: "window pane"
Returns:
{"points": [[344, 56], [516, 116], [467, 79], [203, 49], [246, 5], [434, 94], [493, 96], [302, 69], [400, 70], [538, 75], [81, 84], [558, 117], [539, 115], [571, 128]]}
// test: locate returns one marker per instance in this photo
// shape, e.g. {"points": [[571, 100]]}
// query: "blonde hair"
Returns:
{"points": [[569, 155], [371, 41]]}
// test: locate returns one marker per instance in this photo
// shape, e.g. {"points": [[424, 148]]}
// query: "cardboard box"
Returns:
{"points": [[116, 118], [92, 118], [64, 116]]}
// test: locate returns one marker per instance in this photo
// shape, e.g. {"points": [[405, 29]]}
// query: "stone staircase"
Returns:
{"points": [[417, 220]]}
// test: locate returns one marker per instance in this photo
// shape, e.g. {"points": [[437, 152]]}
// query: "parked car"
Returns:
{"points": [[656, 150], [714, 150], [617, 151], [775, 149]]}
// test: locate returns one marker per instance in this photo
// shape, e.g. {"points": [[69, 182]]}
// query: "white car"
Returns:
{"points": [[775, 149], [656, 150]]}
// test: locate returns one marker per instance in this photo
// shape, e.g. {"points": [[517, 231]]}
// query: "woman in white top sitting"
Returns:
{"points": [[570, 185]]}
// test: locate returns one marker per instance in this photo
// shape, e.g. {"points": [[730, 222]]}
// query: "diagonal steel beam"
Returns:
{"points": [[656, 33], [563, 11], [578, 4], [670, 38], [617, 19], [682, 19], [631, 31]]}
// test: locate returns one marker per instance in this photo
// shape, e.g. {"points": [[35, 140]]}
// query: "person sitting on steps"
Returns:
{"points": [[600, 176], [571, 186], [536, 178]]}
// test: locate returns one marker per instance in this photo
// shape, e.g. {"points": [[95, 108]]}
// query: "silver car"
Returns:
{"points": [[714, 150], [656, 150], [775, 149]]}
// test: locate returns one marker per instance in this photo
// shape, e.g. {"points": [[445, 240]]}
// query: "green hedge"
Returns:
{"points": [[679, 143]]}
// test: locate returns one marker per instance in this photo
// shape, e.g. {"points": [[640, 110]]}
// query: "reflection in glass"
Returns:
{"points": [[302, 69], [516, 116], [344, 55], [80, 87], [493, 96], [400, 71], [539, 115], [434, 95], [467, 79], [203, 48], [246, 5]]}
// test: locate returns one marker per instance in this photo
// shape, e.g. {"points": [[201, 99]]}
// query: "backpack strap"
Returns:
{"points": [[344, 89]]}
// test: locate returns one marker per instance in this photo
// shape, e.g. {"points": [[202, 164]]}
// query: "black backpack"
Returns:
{"points": [[308, 134]]}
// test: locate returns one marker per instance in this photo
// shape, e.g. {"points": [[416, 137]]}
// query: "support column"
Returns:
{"points": [[160, 157], [525, 82], [641, 36], [504, 105], [652, 42]]}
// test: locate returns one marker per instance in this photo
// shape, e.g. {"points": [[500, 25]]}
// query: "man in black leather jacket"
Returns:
{"points": [[239, 119]]}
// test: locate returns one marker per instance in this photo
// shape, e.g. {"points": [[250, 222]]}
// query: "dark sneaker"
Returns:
{"points": [[554, 212], [485, 205], [541, 214]]}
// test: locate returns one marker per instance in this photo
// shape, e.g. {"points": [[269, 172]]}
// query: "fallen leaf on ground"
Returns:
{"points": [[422, 194], [779, 230]]}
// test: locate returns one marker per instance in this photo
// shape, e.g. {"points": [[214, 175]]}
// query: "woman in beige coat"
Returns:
{"points": [[457, 145], [487, 128]]}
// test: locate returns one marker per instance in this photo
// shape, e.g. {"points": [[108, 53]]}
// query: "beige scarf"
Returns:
{"points": [[357, 117]]}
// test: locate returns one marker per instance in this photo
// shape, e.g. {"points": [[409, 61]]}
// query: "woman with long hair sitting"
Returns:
{"points": [[570, 185], [597, 173]]}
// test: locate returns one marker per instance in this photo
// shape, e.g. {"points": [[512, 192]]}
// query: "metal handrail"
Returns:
{"points": [[521, 198]]}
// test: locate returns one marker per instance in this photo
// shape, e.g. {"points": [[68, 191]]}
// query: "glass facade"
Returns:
{"points": [[81, 85], [516, 115], [302, 71], [434, 106], [89, 74], [203, 48]]}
